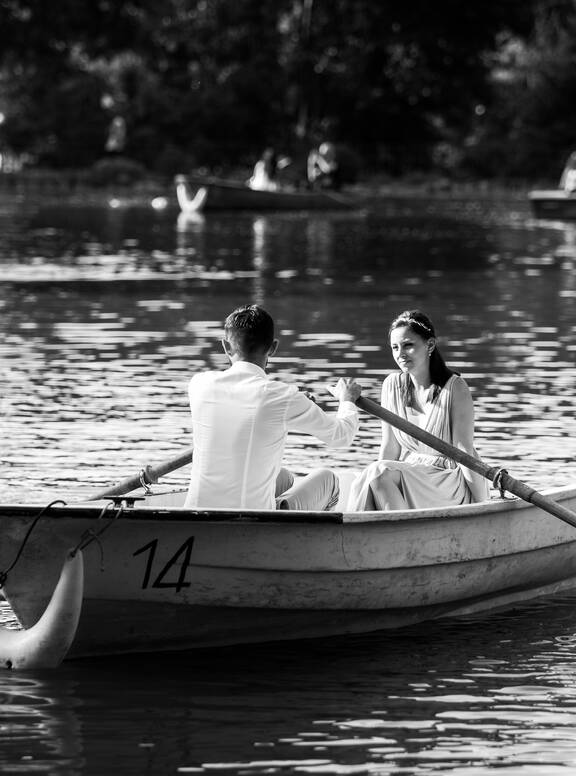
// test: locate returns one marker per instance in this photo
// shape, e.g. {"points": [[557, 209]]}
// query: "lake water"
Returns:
{"points": [[105, 313]]}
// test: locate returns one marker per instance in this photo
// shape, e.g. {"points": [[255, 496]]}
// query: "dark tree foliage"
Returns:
{"points": [[221, 68], [531, 127], [394, 78], [212, 82], [50, 91]]}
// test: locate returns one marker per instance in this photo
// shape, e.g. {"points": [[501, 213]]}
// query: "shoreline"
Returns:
{"points": [[73, 188]]}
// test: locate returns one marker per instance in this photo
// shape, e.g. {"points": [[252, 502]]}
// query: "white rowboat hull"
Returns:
{"points": [[169, 578], [553, 204]]}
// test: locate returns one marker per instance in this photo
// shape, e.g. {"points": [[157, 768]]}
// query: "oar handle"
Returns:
{"points": [[517, 487], [150, 473]]}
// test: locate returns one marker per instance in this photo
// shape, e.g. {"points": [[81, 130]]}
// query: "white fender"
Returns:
{"points": [[46, 643], [189, 204]]}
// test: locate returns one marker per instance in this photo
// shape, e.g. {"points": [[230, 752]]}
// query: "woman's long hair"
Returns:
{"points": [[419, 323]]}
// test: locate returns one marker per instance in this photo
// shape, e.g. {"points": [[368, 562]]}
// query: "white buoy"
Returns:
{"points": [[46, 643]]}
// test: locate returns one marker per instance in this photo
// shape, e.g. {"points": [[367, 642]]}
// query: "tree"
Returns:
{"points": [[213, 82], [530, 129], [395, 78], [50, 92]]}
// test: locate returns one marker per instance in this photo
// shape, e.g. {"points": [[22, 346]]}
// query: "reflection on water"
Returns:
{"points": [[39, 728], [106, 313], [456, 697]]}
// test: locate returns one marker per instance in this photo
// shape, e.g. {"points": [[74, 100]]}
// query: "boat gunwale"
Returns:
{"points": [[268, 199], [86, 510], [559, 195]]}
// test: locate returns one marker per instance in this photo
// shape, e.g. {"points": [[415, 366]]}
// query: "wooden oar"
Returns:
{"points": [[507, 482], [149, 474]]}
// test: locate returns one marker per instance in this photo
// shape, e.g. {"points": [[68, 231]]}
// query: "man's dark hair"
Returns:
{"points": [[249, 329]]}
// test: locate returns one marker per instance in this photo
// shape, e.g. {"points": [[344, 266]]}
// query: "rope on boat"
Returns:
{"points": [[4, 574], [497, 481], [90, 535]]}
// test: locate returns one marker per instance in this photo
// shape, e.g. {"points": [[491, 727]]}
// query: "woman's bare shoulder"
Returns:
{"points": [[461, 391]]}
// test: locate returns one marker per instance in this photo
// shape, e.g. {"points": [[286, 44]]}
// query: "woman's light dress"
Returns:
{"points": [[426, 479]]}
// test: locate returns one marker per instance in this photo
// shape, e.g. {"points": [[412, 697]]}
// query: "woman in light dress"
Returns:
{"points": [[264, 173], [266, 169], [409, 474], [568, 178]]}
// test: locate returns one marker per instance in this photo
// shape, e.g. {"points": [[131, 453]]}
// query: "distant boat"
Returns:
{"points": [[553, 203], [198, 195], [557, 203]]}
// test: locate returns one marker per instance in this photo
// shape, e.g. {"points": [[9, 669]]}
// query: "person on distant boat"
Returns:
{"points": [[266, 169], [241, 419], [116, 140], [323, 168], [426, 392], [264, 173], [568, 179]]}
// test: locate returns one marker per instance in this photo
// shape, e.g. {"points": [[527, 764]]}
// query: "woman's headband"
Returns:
{"points": [[408, 319]]}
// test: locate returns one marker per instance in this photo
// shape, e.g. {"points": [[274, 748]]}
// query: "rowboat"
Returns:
{"points": [[158, 576], [195, 196], [553, 203]]}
